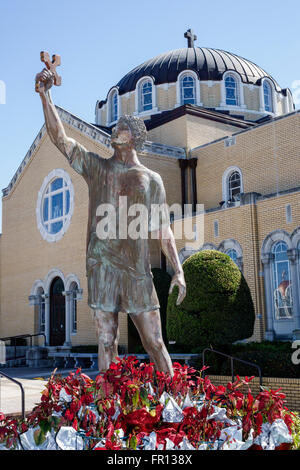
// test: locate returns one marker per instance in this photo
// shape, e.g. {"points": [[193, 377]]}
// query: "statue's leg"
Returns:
{"points": [[148, 325], [108, 338]]}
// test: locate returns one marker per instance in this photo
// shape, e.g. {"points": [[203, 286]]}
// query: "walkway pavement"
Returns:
{"points": [[33, 381]]}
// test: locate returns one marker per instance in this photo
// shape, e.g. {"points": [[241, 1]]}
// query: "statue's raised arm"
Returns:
{"points": [[43, 83]]}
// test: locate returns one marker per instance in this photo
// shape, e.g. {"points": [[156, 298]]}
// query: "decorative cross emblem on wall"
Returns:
{"points": [[191, 37]]}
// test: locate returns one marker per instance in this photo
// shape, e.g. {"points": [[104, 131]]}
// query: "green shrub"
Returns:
{"points": [[295, 430], [284, 346], [273, 357], [218, 307], [272, 364]]}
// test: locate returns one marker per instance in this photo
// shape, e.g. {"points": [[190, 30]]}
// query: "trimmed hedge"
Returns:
{"points": [[273, 357], [218, 307], [272, 364]]}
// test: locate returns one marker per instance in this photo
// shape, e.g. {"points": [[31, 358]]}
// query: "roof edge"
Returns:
{"points": [[157, 120], [92, 132], [255, 126]]}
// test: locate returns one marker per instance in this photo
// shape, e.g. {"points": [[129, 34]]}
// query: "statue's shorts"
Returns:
{"points": [[116, 290]]}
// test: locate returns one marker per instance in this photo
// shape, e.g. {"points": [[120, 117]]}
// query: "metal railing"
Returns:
{"points": [[15, 338], [232, 359], [22, 390]]}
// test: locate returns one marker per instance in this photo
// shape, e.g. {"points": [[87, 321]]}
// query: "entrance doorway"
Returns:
{"points": [[57, 313]]}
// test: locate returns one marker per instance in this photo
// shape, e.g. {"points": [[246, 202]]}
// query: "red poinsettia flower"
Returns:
{"points": [[69, 415], [141, 420]]}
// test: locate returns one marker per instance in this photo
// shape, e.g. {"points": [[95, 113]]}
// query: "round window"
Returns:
{"points": [[55, 205]]}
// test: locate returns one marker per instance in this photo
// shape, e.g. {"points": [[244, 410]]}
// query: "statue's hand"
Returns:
{"points": [[178, 280], [45, 79]]}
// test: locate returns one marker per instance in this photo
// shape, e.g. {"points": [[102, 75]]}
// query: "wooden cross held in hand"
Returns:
{"points": [[51, 65]]}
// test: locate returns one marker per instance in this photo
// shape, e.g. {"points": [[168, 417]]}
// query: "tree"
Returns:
{"points": [[218, 307]]}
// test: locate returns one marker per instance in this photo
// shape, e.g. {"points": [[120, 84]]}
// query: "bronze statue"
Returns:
{"points": [[118, 269]]}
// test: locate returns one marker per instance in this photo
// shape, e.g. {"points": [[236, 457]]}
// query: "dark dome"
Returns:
{"points": [[209, 64]]}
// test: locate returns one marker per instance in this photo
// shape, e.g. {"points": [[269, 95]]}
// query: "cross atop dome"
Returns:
{"points": [[191, 37]]}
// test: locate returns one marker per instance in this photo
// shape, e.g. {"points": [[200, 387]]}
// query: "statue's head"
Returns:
{"points": [[129, 130]]}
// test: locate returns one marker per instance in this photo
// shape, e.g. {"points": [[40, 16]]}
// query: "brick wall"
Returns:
{"points": [[261, 153], [189, 132], [210, 96], [249, 225]]}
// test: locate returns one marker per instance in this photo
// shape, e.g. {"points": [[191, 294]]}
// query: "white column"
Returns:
{"points": [[223, 93], [261, 98], [241, 97], [47, 317], [68, 311]]}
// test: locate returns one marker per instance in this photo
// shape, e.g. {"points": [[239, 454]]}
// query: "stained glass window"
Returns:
{"points": [[268, 97], [282, 285], [146, 96], [231, 90], [114, 107], [188, 92]]}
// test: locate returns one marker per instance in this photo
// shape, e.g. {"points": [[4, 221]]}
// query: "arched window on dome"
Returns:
{"points": [[282, 284], [231, 90], [145, 96], [188, 89], [268, 97], [113, 106]]}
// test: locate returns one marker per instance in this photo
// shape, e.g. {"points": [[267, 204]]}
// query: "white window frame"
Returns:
{"points": [[138, 90], [109, 104], [240, 92], [225, 181], [54, 174], [197, 87], [288, 213], [262, 98], [277, 281], [141, 96], [266, 85]]}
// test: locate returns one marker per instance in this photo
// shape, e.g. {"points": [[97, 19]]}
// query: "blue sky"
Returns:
{"points": [[100, 41]]}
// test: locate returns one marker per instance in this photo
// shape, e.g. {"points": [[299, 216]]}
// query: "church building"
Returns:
{"points": [[222, 133]]}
